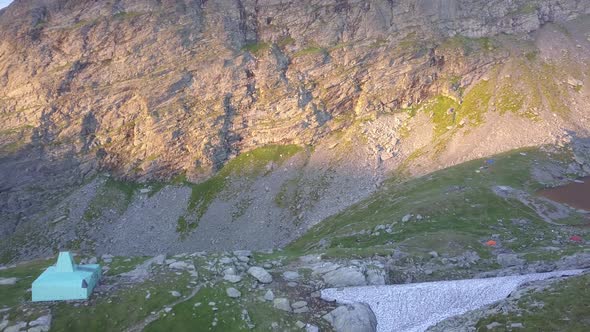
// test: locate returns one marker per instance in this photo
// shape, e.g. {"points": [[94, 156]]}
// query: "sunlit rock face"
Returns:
{"points": [[153, 89]]}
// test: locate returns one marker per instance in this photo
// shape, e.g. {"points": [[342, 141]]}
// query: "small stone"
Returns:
{"points": [[175, 293], [301, 310], [300, 324], [211, 304], [282, 303], [493, 325], [311, 328], [167, 309], [299, 304], [516, 325], [269, 295], [8, 281], [290, 275], [274, 325], [407, 218], [225, 260], [198, 304], [180, 265], [433, 254], [232, 278], [243, 259], [233, 293]]}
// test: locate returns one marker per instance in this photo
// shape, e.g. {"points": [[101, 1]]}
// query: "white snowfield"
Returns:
{"points": [[415, 307]]}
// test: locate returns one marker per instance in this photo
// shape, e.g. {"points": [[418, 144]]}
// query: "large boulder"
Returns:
{"points": [[344, 277], [507, 260], [260, 274], [355, 317]]}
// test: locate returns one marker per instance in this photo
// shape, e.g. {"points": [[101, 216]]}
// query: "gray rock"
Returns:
{"points": [[43, 321], [323, 267], [281, 303], [233, 293], [260, 274], [344, 277], [433, 254], [311, 328], [17, 327], [159, 260], [406, 218], [517, 325], [269, 295], [175, 293], [290, 275], [225, 260], [375, 276], [8, 281], [232, 278], [244, 259], [301, 310], [299, 304], [180, 265], [507, 260], [355, 317], [245, 253], [92, 260], [493, 325]]}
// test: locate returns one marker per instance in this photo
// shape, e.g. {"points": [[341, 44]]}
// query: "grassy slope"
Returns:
{"points": [[460, 212], [562, 307]]}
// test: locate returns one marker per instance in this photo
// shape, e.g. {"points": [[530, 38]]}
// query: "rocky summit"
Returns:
{"points": [[229, 161]]}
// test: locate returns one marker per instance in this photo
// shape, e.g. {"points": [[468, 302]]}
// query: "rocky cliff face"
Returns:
{"points": [[155, 89]]}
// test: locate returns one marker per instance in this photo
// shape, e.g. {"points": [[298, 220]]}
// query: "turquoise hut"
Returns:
{"points": [[66, 281]]}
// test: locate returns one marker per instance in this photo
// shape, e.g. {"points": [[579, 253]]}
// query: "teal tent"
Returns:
{"points": [[65, 280]]}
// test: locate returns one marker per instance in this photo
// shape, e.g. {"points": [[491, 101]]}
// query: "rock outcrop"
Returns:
{"points": [[151, 90]]}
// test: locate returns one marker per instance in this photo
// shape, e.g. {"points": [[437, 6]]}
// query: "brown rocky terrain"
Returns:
{"points": [[173, 91]]}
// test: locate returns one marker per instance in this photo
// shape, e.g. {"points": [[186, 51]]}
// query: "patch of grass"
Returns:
{"points": [[476, 102], [444, 113], [125, 264], [123, 15], [283, 42], [247, 166], [227, 317], [564, 307], [310, 50], [257, 48], [531, 56], [509, 99], [120, 309], [12, 295], [469, 45]]}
